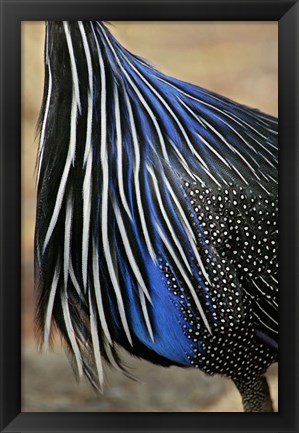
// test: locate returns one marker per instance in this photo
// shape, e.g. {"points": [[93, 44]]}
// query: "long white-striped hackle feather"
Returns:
{"points": [[227, 114], [74, 280], [87, 197], [104, 203], [50, 304], [220, 157], [182, 214], [142, 100], [87, 160], [69, 160], [264, 324], [184, 164], [98, 293], [268, 315], [204, 166], [167, 220], [67, 239], [129, 252], [189, 232], [70, 331], [233, 149], [185, 277], [137, 183], [229, 125], [143, 291], [89, 93], [136, 151], [182, 129], [145, 313], [95, 342], [45, 118], [75, 79], [120, 154]]}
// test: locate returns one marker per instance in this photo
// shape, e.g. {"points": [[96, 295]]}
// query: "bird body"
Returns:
{"points": [[156, 224]]}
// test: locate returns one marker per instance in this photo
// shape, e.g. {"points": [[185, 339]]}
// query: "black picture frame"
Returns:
{"points": [[286, 12]]}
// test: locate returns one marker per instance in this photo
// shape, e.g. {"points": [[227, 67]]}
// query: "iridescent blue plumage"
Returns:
{"points": [[156, 218]]}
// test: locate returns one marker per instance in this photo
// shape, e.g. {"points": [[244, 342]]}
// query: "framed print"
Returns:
{"points": [[165, 219]]}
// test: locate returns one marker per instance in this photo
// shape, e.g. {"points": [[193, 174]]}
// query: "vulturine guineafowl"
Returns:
{"points": [[156, 224]]}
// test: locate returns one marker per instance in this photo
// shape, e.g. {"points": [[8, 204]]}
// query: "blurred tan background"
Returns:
{"points": [[236, 59]]}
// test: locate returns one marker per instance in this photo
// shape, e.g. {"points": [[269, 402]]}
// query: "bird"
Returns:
{"points": [[156, 217]]}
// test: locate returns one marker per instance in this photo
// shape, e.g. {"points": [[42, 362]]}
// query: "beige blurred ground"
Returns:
{"points": [[238, 60]]}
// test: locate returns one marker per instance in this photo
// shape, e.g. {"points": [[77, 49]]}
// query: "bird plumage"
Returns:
{"points": [[156, 225]]}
